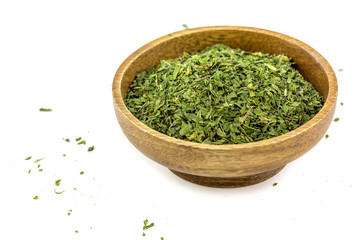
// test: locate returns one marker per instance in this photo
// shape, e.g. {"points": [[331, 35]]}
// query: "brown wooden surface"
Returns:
{"points": [[226, 161]]}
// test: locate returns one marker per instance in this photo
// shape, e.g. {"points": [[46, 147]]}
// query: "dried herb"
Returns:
{"points": [[185, 26], [36, 197], [45, 109], [327, 136], [336, 119], [69, 212], [82, 142], [146, 226], [67, 140], [223, 96], [58, 192], [28, 158], [78, 139], [82, 172], [342, 104], [57, 182], [38, 160], [91, 148], [275, 184]]}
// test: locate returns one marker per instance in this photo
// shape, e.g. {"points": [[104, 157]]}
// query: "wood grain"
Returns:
{"points": [[210, 163]]}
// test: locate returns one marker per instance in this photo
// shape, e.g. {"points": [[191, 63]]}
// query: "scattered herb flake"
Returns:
{"points": [[38, 160], [185, 26], [69, 212], [77, 231], [67, 140], [143, 234], [29, 171], [57, 182], [91, 148], [28, 158], [38, 166], [78, 139], [75, 189], [275, 184], [342, 104], [336, 119], [36, 197], [82, 172], [327, 136], [40, 170], [82, 142], [58, 192], [45, 109], [169, 34], [146, 226], [64, 155]]}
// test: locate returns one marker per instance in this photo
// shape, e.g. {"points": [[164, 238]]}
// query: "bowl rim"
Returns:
{"points": [[330, 99]]}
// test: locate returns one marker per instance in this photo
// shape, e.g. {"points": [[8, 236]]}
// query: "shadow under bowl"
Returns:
{"points": [[232, 165]]}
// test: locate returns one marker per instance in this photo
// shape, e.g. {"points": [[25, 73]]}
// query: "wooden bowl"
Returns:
{"points": [[232, 165]]}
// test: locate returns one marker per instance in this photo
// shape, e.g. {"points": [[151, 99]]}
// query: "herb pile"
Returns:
{"points": [[223, 96]]}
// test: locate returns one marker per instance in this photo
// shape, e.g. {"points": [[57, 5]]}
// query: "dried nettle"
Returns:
{"points": [[223, 96]]}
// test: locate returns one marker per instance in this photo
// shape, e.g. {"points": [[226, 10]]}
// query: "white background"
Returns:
{"points": [[63, 55]]}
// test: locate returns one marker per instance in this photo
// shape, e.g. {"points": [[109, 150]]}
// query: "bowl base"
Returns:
{"points": [[219, 182]]}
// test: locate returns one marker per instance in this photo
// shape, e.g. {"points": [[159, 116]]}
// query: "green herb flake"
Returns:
{"points": [[78, 139], [185, 26], [327, 136], [275, 184], [69, 212], [82, 142], [146, 226], [342, 104], [45, 109], [223, 96], [29, 171], [161, 238], [169, 34], [336, 119], [40, 170], [57, 182], [64, 155], [28, 158], [75, 189], [76, 231], [58, 192], [38, 166], [82, 172], [67, 140], [38, 160], [36, 197], [144, 234], [91, 148]]}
